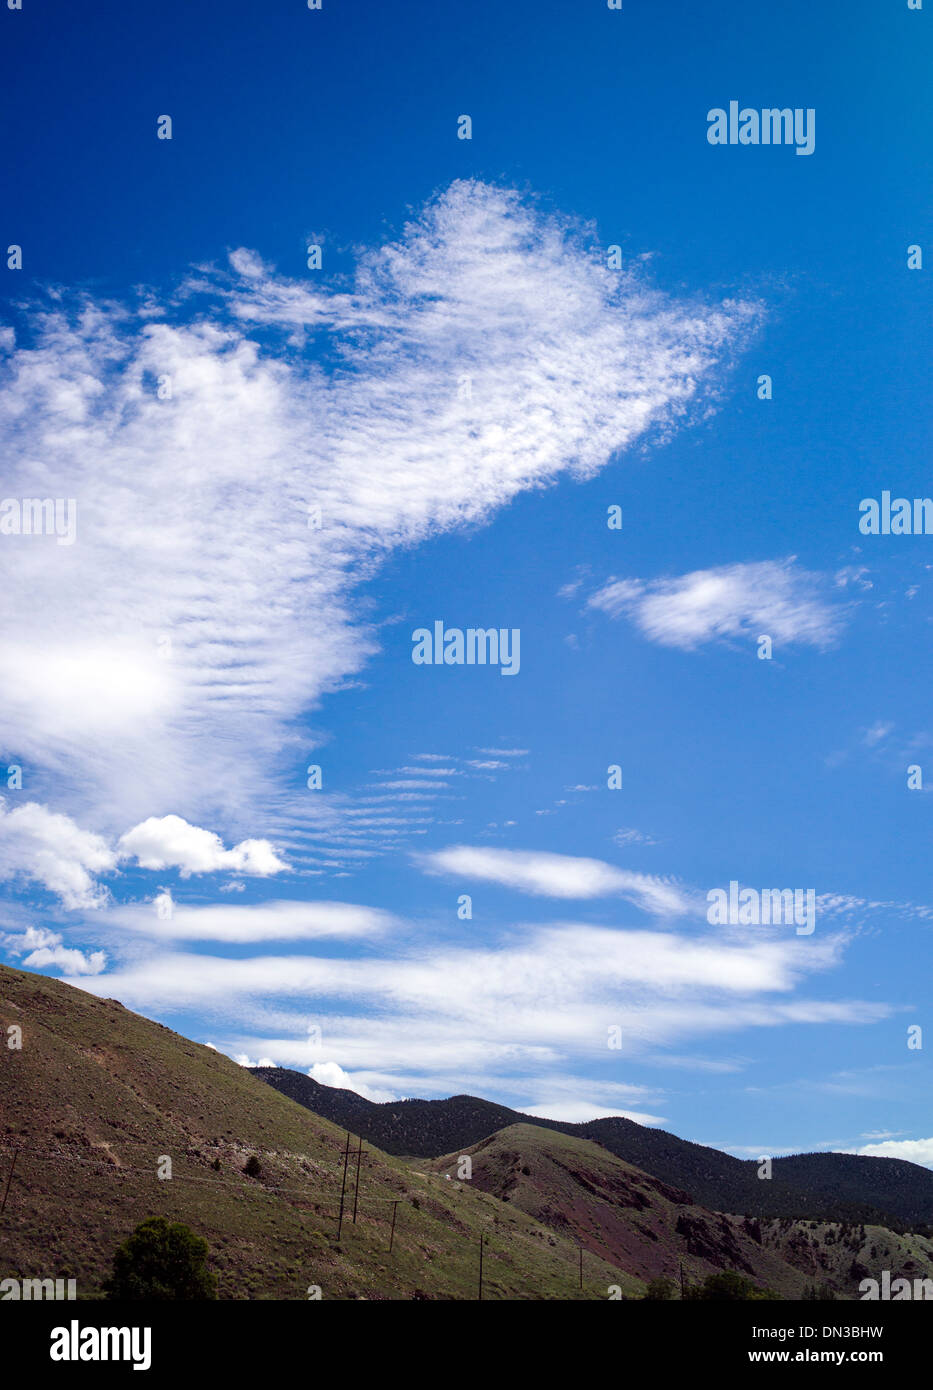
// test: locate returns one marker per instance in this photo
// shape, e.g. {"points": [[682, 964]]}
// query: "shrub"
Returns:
{"points": [[161, 1260], [730, 1287], [660, 1289]]}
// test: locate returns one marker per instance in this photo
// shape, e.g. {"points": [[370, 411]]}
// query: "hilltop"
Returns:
{"points": [[616, 1211], [98, 1096], [821, 1186], [643, 1225]]}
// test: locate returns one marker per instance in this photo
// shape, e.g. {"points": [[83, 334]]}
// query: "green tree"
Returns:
{"points": [[161, 1260], [819, 1293], [728, 1286], [253, 1167], [660, 1289]]}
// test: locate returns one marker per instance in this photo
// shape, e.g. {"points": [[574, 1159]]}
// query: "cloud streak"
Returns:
{"points": [[557, 876], [730, 602], [542, 1000]]}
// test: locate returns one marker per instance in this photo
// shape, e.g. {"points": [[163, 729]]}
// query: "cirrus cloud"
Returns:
{"points": [[731, 601], [557, 876], [243, 455]]}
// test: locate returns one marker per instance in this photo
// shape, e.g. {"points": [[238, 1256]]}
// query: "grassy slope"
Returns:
{"points": [[97, 1094], [824, 1186], [618, 1212]]}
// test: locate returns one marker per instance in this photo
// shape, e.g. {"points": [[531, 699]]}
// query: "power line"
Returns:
{"points": [[251, 1188], [116, 1170]]}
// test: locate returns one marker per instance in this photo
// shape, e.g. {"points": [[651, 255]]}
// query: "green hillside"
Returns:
{"points": [[97, 1095]]}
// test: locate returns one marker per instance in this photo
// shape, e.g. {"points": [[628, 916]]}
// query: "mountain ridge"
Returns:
{"points": [[97, 1097], [97, 1100], [824, 1186]]}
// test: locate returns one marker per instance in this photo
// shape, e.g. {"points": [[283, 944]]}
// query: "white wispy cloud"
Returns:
{"points": [[770, 597], [576, 1100], [540, 1002], [160, 661], [557, 876], [632, 836], [270, 921]]}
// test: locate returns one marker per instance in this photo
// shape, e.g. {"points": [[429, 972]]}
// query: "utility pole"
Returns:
{"points": [[8, 1181], [392, 1232], [683, 1292], [581, 1266], [481, 1239], [343, 1187], [356, 1193]]}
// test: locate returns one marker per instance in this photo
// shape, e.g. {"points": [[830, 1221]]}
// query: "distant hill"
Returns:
{"points": [[625, 1216], [633, 1220], [823, 1186]]}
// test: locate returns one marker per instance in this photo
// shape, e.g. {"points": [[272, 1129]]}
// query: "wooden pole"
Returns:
{"points": [[581, 1266], [356, 1194], [480, 1266], [343, 1186], [8, 1181], [392, 1232]]}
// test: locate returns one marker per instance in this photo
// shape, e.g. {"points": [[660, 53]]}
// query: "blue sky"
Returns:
{"points": [[464, 388]]}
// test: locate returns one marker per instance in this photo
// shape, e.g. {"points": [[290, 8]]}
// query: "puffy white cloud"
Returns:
{"points": [[163, 842], [731, 601], [45, 948], [557, 876], [67, 959], [32, 939], [330, 1074], [913, 1150], [161, 659], [49, 848], [579, 1111], [577, 1099]]}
